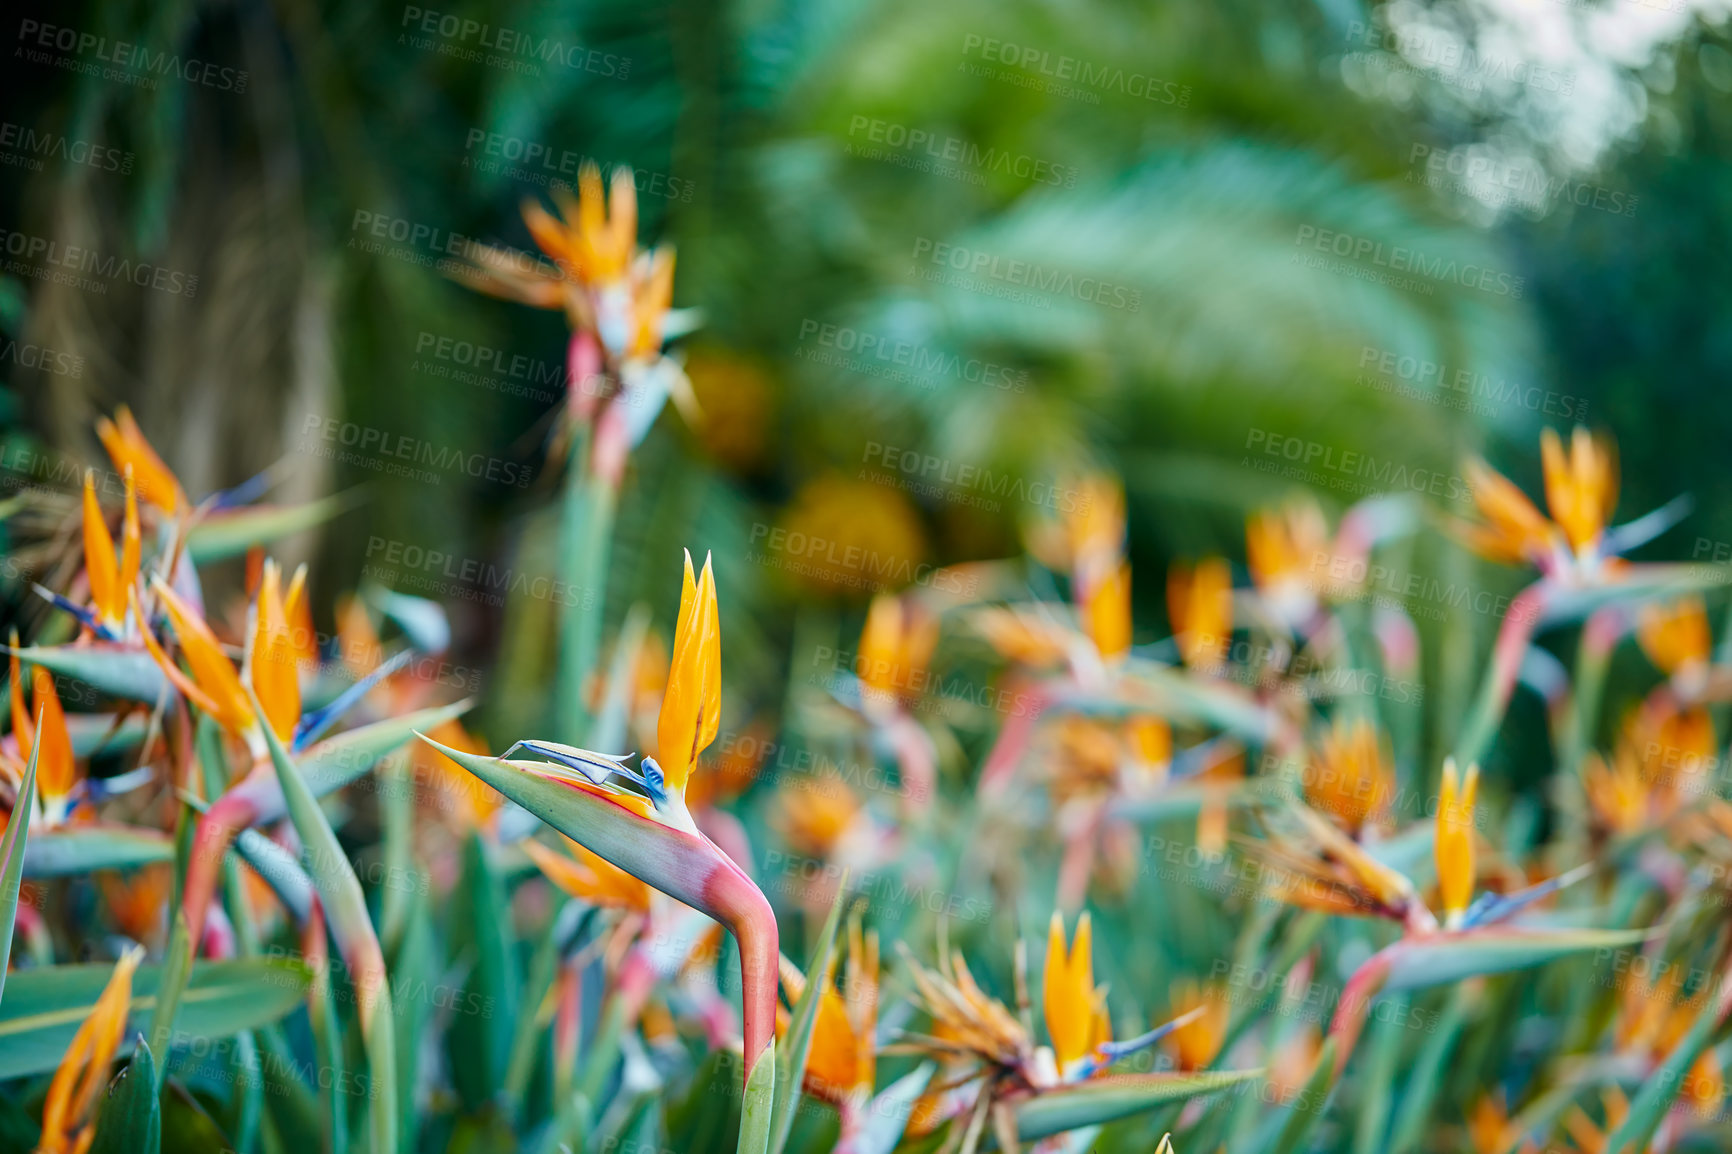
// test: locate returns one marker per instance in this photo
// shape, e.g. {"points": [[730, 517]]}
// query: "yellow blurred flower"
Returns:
{"points": [[1581, 488], [1075, 1009], [814, 818], [1350, 776], [1453, 840], [1200, 606], [844, 536], [1196, 1043], [1289, 553], [895, 645], [1676, 638], [736, 395]]}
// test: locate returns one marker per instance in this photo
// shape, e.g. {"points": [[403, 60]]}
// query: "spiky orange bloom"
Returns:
{"points": [[56, 767], [967, 1022], [895, 645], [692, 706], [128, 449], [1089, 541], [1330, 872], [594, 236], [589, 876], [1350, 775], [1453, 842], [1076, 1018], [1618, 795], [842, 1065], [109, 582], [1200, 606], [1195, 1044], [214, 686], [1675, 636], [1581, 491], [1289, 554], [1106, 613], [1581, 486], [276, 658], [1515, 530], [138, 899], [68, 1122], [813, 819]]}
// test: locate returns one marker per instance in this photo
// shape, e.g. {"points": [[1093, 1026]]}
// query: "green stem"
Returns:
{"points": [[586, 537]]}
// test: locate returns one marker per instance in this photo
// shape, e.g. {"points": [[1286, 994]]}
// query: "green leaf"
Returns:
{"points": [[479, 1045], [329, 765], [177, 965], [758, 1104], [119, 670], [352, 930], [44, 1006], [1427, 1074], [77, 849], [231, 532], [1416, 963], [129, 1120], [1101, 1100], [528, 1032], [12, 851], [791, 1071]]}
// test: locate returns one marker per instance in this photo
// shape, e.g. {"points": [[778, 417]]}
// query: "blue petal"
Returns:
{"points": [[315, 723]]}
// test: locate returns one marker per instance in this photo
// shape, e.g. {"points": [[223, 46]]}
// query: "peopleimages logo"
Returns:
{"points": [[66, 264], [40, 41], [373, 446], [1399, 258], [942, 149], [1060, 70], [1025, 274], [539, 163], [1384, 475], [29, 147], [505, 47]]}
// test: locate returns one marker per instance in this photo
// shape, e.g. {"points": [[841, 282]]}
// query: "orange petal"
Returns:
{"points": [[107, 592], [55, 770], [67, 1124], [127, 447], [1453, 842], [1107, 612], [1069, 994], [214, 674], [275, 663], [691, 707]]}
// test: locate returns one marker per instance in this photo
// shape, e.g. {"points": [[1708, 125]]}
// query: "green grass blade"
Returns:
{"points": [[352, 928], [791, 1070], [758, 1104], [129, 1120], [12, 849], [176, 969]]}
